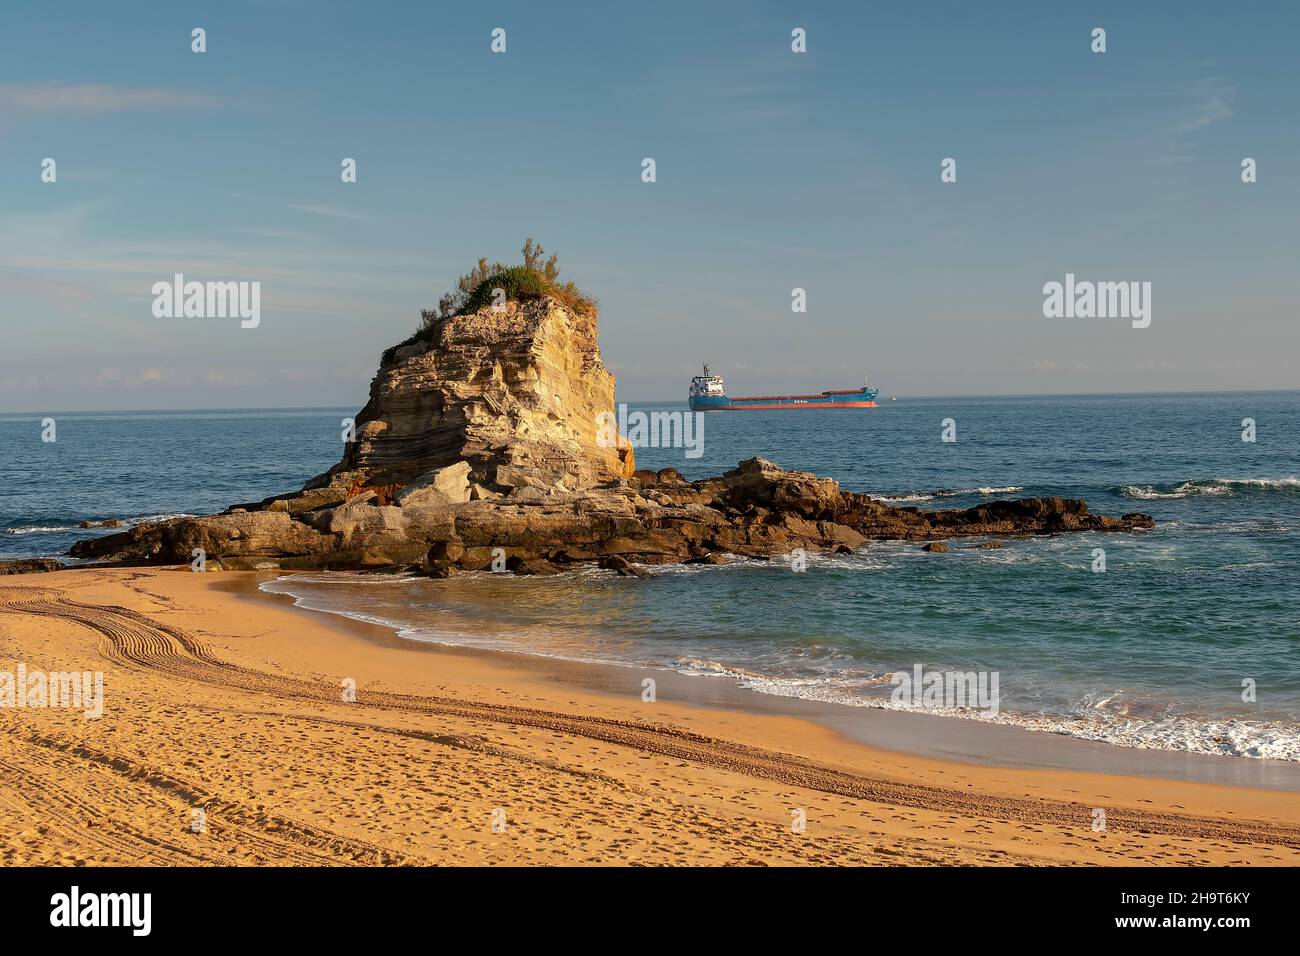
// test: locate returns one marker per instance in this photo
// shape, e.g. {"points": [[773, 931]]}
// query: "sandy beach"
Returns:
{"points": [[235, 707]]}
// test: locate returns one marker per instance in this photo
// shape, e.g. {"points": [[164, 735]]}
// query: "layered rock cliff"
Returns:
{"points": [[497, 401], [479, 447]]}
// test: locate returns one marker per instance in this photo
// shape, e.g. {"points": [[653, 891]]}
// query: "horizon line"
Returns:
{"points": [[674, 401]]}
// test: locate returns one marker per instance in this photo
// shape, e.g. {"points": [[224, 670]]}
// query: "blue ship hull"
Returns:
{"points": [[864, 397]]}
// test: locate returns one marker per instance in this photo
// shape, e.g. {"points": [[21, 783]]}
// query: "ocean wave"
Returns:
{"points": [[281, 585], [706, 667], [1113, 718], [1228, 737], [950, 493], [150, 519], [60, 528], [1093, 720], [1215, 487], [702, 667]]}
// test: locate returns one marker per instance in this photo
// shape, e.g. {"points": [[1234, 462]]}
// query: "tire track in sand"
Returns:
{"points": [[268, 835], [36, 765], [134, 640]]}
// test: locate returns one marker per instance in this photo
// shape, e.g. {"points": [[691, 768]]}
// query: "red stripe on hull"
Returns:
{"points": [[734, 407], [783, 398]]}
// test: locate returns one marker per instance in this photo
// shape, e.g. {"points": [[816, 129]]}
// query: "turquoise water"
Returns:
{"points": [[1151, 653]]}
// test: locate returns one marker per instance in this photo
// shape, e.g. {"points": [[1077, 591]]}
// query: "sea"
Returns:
{"points": [[1183, 638]]}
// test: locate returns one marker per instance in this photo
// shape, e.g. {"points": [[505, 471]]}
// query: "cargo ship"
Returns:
{"points": [[707, 394]]}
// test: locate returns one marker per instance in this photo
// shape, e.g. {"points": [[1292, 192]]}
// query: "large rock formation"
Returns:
{"points": [[499, 400], [481, 446]]}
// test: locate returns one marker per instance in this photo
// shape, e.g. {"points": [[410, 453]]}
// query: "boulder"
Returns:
{"points": [[444, 486], [623, 567], [532, 566], [711, 557], [298, 502], [30, 566]]}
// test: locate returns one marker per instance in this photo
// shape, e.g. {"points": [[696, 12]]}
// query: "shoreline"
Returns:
{"points": [[942, 737], [232, 706]]}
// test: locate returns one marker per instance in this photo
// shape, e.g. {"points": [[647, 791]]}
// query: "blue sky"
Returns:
{"points": [[775, 171]]}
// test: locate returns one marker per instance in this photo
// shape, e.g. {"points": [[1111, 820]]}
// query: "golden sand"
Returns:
{"points": [[236, 708]]}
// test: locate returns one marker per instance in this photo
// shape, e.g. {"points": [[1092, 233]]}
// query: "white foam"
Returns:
{"points": [[1221, 736], [950, 493], [1215, 487]]}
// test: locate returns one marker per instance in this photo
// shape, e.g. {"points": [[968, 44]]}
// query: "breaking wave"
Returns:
{"points": [[38, 529], [1105, 718], [51, 528], [950, 493], [1216, 487]]}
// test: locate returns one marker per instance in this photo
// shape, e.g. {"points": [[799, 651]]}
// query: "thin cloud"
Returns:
{"points": [[1203, 104], [1211, 110], [333, 212], [237, 378], [90, 98], [277, 234], [113, 376], [87, 175]]}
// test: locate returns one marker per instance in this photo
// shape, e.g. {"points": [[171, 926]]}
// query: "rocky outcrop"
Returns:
{"points": [[479, 450], [757, 510], [30, 566]]}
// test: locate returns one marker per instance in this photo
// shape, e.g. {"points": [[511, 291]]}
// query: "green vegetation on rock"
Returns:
{"points": [[536, 277]]}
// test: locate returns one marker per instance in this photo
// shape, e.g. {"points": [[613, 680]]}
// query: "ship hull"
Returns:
{"points": [[722, 403]]}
